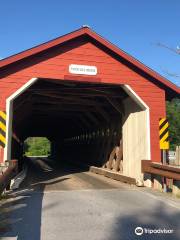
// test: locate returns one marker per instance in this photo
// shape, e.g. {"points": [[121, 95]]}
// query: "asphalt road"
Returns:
{"points": [[72, 204]]}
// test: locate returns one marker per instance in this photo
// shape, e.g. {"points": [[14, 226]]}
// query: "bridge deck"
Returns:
{"points": [[74, 204]]}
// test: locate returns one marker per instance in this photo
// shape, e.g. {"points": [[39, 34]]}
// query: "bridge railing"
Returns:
{"points": [[172, 172], [8, 174], [165, 175]]}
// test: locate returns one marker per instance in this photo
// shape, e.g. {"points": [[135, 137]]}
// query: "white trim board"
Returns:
{"points": [[9, 113], [145, 107]]}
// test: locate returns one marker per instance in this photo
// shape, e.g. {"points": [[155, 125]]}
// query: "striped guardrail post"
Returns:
{"points": [[2, 129], [164, 144]]}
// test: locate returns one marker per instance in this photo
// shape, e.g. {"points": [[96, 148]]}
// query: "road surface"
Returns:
{"points": [[73, 204]]}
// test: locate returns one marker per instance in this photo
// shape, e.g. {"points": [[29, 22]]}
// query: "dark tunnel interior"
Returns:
{"points": [[83, 121]]}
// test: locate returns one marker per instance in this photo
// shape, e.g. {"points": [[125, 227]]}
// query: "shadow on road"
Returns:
{"points": [[20, 214], [159, 217]]}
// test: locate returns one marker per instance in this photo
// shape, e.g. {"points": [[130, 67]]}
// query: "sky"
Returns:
{"points": [[135, 26]]}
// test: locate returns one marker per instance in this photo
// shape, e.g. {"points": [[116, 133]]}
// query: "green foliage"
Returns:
{"points": [[173, 115], [36, 146]]}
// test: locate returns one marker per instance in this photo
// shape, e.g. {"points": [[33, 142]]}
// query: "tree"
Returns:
{"points": [[173, 115], [36, 146]]}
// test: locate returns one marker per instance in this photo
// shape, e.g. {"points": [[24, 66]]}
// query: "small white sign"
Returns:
{"points": [[82, 69]]}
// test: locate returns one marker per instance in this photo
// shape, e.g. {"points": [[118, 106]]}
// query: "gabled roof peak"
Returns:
{"points": [[86, 30]]}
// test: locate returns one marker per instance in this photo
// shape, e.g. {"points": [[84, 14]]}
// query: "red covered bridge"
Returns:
{"points": [[88, 97]]}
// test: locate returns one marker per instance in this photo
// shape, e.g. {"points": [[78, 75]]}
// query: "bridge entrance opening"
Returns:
{"points": [[36, 147], [97, 124]]}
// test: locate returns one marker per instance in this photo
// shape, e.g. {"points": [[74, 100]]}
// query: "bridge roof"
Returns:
{"points": [[86, 31]]}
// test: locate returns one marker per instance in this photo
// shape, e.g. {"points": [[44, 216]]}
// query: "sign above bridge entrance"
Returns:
{"points": [[82, 69]]}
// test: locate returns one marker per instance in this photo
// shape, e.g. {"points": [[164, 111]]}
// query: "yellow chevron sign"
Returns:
{"points": [[163, 133], [2, 129]]}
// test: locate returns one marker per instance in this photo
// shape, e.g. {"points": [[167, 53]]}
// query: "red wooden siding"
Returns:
{"points": [[110, 70]]}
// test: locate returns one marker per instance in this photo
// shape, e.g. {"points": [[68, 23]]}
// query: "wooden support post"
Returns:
{"points": [[119, 161], [177, 161], [110, 145], [157, 182], [111, 158]]}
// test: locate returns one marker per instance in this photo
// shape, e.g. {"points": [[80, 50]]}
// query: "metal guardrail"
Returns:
{"points": [[10, 173], [168, 171]]}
